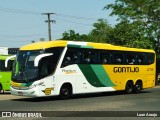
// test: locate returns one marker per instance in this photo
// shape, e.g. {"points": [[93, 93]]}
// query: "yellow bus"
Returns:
{"points": [[65, 68]]}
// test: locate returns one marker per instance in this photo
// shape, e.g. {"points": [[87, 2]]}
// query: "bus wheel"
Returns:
{"points": [[158, 82], [129, 87], [66, 91], [138, 87], [0, 88]]}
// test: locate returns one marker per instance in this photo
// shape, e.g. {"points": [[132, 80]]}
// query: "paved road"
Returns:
{"points": [[148, 101]]}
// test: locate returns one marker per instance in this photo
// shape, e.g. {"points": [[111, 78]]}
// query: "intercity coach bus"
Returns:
{"points": [[5, 73], [66, 68]]}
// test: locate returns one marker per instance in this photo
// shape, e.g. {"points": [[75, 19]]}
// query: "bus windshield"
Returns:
{"points": [[24, 69]]}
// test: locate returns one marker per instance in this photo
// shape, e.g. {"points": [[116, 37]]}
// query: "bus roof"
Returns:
{"points": [[63, 43]]}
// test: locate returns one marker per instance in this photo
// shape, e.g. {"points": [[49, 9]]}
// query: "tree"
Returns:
{"points": [[145, 14], [72, 35], [127, 34], [101, 32]]}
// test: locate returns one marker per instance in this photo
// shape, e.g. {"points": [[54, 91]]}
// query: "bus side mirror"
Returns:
{"points": [[8, 58], [39, 57]]}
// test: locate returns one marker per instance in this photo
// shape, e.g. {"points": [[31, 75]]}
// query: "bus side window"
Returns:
{"points": [[2, 65], [130, 58], [105, 57], [118, 58], [44, 67], [141, 59], [150, 58], [89, 57], [71, 57]]}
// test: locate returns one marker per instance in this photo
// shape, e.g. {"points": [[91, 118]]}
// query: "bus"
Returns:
{"points": [[64, 68], [5, 73]]}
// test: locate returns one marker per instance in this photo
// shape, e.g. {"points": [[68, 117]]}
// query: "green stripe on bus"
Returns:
{"points": [[79, 46], [90, 75], [102, 75]]}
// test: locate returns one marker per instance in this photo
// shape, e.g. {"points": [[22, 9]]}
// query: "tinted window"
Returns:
{"points": [[131, 58], [2, 65], [118, 57], [72, 56], [89, 56], [105, 57]]}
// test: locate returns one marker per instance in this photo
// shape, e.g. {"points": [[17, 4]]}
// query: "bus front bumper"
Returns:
{"points": [[30, 92]]}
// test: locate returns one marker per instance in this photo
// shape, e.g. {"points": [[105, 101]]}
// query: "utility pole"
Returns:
{"points": [[49, 25]]}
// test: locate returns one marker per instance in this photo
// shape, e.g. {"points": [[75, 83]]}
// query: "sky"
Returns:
{"points": [[22, 21]]}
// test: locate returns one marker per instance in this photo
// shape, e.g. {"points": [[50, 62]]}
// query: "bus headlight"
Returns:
{"points": [[36, 84]]}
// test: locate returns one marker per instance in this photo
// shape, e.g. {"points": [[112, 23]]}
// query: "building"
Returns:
{"points": [[8, 51], [3, 51]]}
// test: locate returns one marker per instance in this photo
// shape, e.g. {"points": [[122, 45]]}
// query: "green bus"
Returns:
{"points": [[5, 73]]}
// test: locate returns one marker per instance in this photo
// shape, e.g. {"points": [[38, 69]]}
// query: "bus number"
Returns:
{"points": [[149, 69]]}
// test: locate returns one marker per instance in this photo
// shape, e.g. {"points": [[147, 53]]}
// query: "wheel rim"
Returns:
{"points": [[65, 92], [138, 87], [129, 88]]}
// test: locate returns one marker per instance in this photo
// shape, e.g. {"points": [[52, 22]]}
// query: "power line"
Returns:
{"points": [[11, 10], [74, 22], [3, 9], [20, 36], [76, 17]]}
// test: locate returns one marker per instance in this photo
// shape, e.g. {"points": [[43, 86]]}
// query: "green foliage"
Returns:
{"points": [[127, 34], [101, 32], [71, 35], [138, 25], [144, 14]]}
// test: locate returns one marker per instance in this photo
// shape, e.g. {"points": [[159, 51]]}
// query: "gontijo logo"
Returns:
{"points": [[47, 91], [125, 69]]}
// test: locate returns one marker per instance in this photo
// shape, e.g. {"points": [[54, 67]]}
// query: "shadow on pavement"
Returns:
{"points": [[80, 96]]}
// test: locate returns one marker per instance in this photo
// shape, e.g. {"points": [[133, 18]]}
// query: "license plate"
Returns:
{"points": [[20, 93]]}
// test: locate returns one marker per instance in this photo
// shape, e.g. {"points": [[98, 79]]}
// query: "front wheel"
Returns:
{"points": [[129, 87], [65, 92]]}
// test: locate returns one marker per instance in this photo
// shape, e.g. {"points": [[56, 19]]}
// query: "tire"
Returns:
{"points": [[159, 82], [0, 88], [65, 92], [138, 87], [129, 87]]}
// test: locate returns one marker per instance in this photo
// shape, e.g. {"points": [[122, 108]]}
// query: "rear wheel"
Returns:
{"points": [[158, 82], [129, 87], [65, 92], [138, 87]]}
